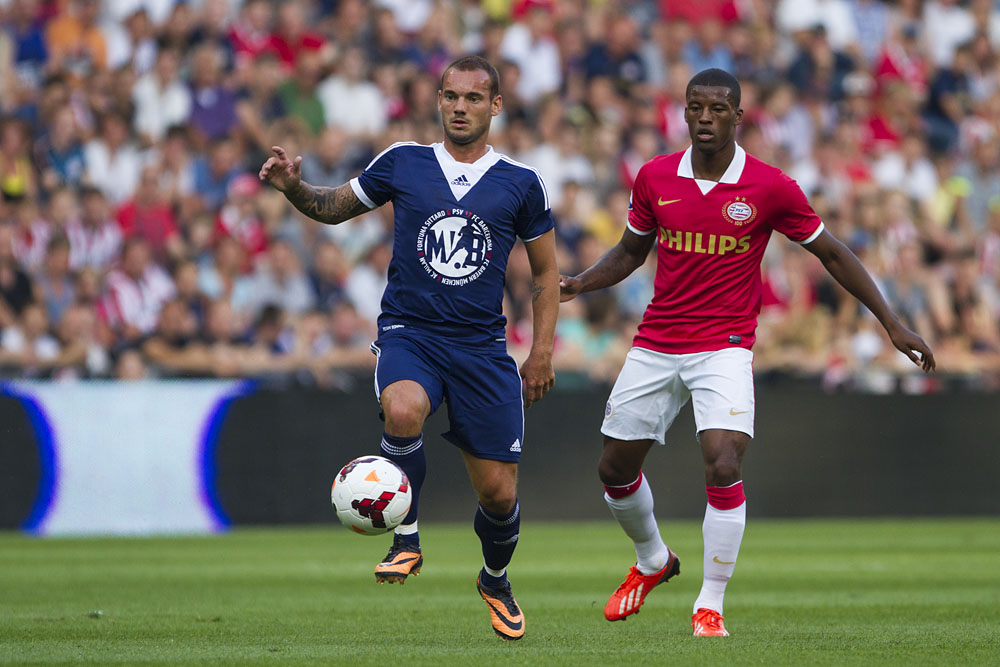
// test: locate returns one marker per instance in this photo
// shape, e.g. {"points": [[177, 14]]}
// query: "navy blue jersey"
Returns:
{"points": [[455, 225]]}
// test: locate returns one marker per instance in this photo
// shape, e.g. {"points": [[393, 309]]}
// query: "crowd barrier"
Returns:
{"points": [[157, 457]]}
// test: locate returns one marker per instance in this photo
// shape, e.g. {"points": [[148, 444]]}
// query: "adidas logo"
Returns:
{"points": [[516, 447], [462, 180]]}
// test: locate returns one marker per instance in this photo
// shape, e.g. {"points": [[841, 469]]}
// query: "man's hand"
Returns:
{"points": [[909, 344], [538, 377], [569, 287], [282, 173]]}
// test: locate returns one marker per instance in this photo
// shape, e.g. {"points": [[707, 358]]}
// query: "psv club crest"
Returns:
{"points": [[739, 211]]}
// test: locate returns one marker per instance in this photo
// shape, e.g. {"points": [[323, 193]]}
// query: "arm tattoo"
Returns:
{"points": [[536, 291], [327, 205]]}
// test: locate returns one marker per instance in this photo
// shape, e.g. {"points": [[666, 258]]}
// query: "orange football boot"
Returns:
{"points": [[505, 615], [401, 561], [708, 623], [630, 595]]}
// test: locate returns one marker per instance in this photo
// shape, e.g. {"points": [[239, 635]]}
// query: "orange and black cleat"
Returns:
{"points": [[402, 560], [505, 615], [632, 593], [708, 623]]}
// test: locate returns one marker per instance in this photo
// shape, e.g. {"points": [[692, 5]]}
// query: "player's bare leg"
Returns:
{"points": [[406, 408], [498, 524], [725, 519], [630, 499]]}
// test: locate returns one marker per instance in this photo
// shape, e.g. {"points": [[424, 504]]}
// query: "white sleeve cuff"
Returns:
{"points": [[360, 193], [639, 231], [814, 235]]}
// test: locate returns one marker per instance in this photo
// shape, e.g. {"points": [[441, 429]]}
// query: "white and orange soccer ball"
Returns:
{"points": [[371, 495]]}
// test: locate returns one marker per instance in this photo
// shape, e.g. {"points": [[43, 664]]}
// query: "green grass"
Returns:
{"points": [[829, 592]]}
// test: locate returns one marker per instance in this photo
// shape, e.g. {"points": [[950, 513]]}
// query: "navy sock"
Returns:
{"points": [[408, 454], [498, 534]]}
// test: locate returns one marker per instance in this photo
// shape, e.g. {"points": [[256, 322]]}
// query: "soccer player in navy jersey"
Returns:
{"points": [[710, 211], [459, 208]]}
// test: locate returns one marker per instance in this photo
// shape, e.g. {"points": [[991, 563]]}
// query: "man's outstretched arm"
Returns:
{"points": [[537, 368], [848, 270], [613, 267], [330, 206]]}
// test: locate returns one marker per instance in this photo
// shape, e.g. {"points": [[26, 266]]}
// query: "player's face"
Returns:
{"points": [[711, 118], [465, 105]]}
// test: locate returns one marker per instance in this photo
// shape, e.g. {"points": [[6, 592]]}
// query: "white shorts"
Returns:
{"points": [[652, 387]]}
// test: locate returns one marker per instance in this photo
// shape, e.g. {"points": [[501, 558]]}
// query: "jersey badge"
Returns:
{"points": [[739, 211], [454, 246]]}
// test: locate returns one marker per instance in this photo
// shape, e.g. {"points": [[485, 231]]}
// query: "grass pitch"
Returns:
{"points": [[830, 592]]}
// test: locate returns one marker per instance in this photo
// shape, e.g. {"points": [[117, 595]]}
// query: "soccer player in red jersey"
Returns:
{"points": [[710, 211]]}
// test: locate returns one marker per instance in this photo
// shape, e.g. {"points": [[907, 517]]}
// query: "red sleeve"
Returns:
{"points": [[640, 215], [793, 216]]}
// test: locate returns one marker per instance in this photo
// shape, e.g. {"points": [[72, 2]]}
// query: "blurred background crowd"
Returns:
{"points": [[136, 240]]}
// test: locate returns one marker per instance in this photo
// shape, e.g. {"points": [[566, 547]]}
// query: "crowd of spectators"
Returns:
{"points": [[136, 240]]}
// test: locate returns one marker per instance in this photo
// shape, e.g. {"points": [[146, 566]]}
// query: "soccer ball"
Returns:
{"points": [[371, 495]]}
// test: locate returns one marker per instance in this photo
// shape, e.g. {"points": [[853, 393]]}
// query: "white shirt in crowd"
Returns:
{"points": [[357, 107], [117, 174], [94, 247], [952, 25], [137, 303], [158, 107], [538, 61]]}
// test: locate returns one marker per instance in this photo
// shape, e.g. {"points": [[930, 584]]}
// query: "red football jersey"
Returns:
{"points": [[710, 240]]}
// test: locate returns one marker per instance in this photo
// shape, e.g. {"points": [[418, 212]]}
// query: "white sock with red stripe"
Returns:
{"points": [[632, 506], [725, 518]]}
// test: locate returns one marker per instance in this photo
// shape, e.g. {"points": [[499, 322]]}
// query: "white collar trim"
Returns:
{"points": [[462, 176], [731, 176]]}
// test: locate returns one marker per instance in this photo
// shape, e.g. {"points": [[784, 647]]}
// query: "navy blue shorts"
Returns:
{"points": [[480, 383]]}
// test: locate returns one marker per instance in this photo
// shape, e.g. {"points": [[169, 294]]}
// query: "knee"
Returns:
{"points": [[724, 469], [498, 498], [614, 471], [404, 416], [723, 473]]}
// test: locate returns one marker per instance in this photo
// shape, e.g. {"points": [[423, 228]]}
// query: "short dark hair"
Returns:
{"points": [[472, 63], [716, 78]]}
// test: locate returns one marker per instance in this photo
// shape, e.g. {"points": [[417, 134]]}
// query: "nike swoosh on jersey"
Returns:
{"points": [[664, 203]]}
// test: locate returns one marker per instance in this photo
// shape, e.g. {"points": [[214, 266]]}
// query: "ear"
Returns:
{"points": [[496, 105], [739, 117], [440, 97]]}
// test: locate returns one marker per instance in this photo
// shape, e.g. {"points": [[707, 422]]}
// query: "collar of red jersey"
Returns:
{"points": [[733, 172]]}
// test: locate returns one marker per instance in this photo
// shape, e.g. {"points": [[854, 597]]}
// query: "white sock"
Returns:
{"points": [[492, 572], [406, 529], [634, 513], [722, 531]]}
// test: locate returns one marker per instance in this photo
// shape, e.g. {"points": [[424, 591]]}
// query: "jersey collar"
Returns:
{"points": [[463, 176], [732, 175]]}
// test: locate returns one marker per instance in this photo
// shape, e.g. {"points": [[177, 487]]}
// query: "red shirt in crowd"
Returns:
{"points": [[288, 50], [154, 223]]}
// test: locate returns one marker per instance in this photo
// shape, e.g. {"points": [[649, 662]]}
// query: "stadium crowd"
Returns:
{"points": [[136, 240]]}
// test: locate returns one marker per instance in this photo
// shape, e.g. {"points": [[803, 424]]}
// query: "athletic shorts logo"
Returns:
{"points": [[454, 246], [609, 410], [739, 211]]}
